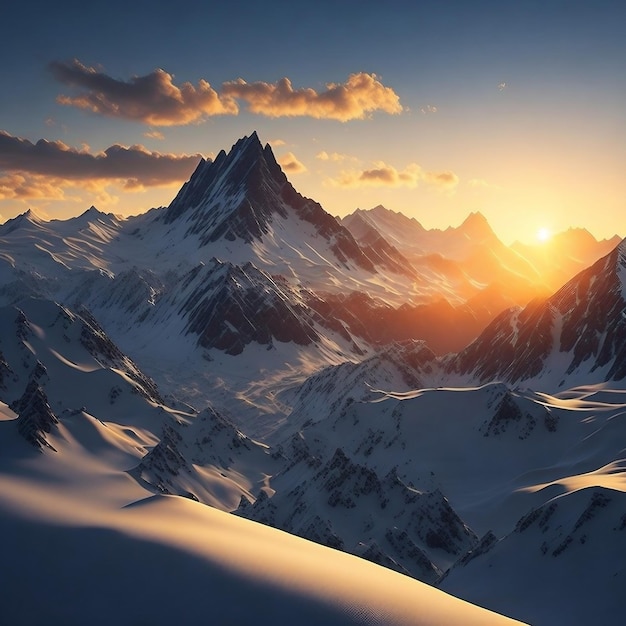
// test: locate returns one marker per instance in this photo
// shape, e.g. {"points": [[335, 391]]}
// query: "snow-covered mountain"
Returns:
{"points": [[245, 350], [238, 264], [582, 530], [577, 336], [471, 265], [463, 261], [348, 506], [86, 443], [565, 254]]}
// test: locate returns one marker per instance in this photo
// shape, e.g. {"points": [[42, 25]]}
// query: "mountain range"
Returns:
{"points": [[432, 401]]}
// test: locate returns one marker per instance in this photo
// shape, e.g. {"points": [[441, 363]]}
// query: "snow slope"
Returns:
{"points": [[83, 541], [569, 559]]}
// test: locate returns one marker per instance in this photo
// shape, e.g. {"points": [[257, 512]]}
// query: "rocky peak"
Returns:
{"points": [[243, 180], [585, 318], [28, 218], [476, 226], [35, 417]]}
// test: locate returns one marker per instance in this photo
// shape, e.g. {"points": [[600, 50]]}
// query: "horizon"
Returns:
{"points": [[541, 238], [512, 112]]}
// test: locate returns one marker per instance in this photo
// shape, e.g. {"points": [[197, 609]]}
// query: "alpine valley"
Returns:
{"points": [[192, 398]]}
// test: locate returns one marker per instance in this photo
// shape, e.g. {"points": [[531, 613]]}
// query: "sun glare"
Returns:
{"points": [[543, 234]]}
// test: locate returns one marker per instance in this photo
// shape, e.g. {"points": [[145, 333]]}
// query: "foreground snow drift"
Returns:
{"points": [[166, 560]]}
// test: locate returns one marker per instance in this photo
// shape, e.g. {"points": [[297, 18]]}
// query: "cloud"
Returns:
{"points": [[333, 156], [30, 187], [502, 86], [383, 175], [481, 183], [447, 180], [290, 164], [275, 143], [154, 134], [359, 96], [152, 99], [429, 108], [56, 160]]}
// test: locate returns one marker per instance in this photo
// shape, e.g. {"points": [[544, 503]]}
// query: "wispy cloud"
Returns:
{"points": [[290, 164], [361, 95], [333, 156], [481, 183], [154, 99], [154, 134], [429, 108], [135, 165], [383, 175], [502, 86]]}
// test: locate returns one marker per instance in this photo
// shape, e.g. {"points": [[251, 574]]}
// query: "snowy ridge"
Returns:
{"points": [[242, 349], [347, 506], [575, 531], [208, 460], [78, 504], [575, 336], [399, 367]]}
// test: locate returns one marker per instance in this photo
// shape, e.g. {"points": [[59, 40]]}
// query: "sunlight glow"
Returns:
{"points": [[543, 234]]}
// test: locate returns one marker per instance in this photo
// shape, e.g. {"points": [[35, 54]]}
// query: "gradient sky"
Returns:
{"points": [[513, 108]]}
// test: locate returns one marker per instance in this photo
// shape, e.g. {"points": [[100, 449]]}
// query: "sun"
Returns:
{"points": [[543, 234]]}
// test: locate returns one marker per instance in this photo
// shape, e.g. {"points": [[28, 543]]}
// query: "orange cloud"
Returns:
{"points": [[57, 160], [333, 156], [359, 96], [30, 187], [290, 164], [152, 99], [154, 134], [442, 179], [383, 175]]}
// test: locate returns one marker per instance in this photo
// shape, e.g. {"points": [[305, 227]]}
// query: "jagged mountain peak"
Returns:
{"points": [[475, 225], [229, 183], [243, 196], [28, 218], [578, 331]]}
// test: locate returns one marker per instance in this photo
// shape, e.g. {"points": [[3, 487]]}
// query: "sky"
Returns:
{"points": [[514, 108]]}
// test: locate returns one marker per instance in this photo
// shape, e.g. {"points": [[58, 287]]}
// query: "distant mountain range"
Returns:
{"points": [[432, 401]]}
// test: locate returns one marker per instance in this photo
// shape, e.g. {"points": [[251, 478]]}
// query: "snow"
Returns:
{"points": [[83, 541], [568, 556], [86, 522]]}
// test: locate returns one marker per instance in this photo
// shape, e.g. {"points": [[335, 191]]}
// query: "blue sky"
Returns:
{"points": [[513, 108]]}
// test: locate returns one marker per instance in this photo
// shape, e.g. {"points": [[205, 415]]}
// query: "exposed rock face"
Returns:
{"points": [[512, 417], [348, 506], [35, 417], [594, 315], [5, 372], [585, 320], [208, 445], [238, 195], [236, 305], [100, 346]]}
